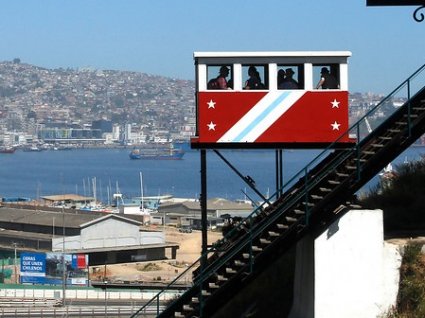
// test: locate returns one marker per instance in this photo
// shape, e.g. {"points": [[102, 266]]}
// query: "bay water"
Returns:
{"points": [[36, 174]]}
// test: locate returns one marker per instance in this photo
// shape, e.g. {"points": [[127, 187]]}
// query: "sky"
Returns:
{"points": [[159, 36]]}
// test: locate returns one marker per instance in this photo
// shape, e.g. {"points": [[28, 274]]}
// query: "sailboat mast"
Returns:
{"points": [[141, 190]]}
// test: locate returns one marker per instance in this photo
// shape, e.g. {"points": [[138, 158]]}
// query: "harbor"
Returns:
{"points": [[73, 172]]}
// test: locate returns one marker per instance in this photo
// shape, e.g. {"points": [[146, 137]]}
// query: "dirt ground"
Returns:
{"points": [[163, 271]]}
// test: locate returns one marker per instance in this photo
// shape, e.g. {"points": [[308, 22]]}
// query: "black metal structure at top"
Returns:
{"points": [[417, 16]]}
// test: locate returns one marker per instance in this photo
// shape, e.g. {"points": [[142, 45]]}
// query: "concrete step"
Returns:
{"points": [[265, 241], [299, 212], [325, 189], [256, 248], [334, 182], [195, 300], [222, 278], [342, 174], [187, 307], [281, 226], [274, 234], [290, 219], [239, 263]]}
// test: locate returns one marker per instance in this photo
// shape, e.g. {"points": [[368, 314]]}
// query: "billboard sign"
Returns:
{"points": [[51, 268]]}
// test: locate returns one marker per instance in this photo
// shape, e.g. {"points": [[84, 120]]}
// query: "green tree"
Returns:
{"points": [[402, 198]]}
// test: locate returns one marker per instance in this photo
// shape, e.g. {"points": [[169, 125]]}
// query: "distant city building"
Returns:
{"points": [[105, 106], [105, 126]]}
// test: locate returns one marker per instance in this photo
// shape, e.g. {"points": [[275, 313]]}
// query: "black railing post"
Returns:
{"points": [[251, 256], [358, 152], [307, 210], [278, 185], [281, 171], [204, 222], [409, 109]]}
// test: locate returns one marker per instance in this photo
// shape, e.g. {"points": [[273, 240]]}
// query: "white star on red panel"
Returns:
{"points": [[335, 103], [211, 126], [211, 104], [335, 126]]}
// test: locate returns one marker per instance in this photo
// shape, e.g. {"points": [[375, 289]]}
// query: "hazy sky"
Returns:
{"points": [[160, 36]]}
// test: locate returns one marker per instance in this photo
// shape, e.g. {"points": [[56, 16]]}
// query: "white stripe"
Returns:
{"points": [[35, 274], [255, 122]]}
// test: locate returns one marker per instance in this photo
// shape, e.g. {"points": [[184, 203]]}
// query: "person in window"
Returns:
{"points": [[230, 84], [327, 81], [221, 79], [289, 82], [254, 80], [280, 77]]}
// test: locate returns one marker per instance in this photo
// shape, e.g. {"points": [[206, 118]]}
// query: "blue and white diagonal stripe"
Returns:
{"points": [[255, 122]]}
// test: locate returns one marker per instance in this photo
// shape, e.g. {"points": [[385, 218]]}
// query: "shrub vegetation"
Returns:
{"points": [[411, 293], [402, 199]]}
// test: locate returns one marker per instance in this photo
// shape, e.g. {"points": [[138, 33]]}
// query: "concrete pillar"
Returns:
{"points": [[347, 271]]}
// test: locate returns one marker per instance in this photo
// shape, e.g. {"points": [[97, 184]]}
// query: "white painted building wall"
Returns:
{"points": [[109, 232], [348, 271]]}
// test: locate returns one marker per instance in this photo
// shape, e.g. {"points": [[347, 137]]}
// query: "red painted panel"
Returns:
{"points": [[229, 107], [316, 117], [304, 117]]}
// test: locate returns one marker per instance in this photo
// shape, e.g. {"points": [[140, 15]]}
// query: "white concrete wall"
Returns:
{"points": [[353, 273], [109, 233], [152, 238], [70, 243], [85, 293]]}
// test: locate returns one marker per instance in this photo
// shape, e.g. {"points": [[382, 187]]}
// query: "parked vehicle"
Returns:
{"points": [[185, 229]]}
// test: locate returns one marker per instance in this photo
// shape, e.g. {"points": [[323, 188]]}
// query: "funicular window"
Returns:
{"points": [[326, 76], [255, 76], [290, 76], [219, 77]]}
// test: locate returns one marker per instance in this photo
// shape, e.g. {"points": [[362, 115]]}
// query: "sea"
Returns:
{"points": [[102, 172]]}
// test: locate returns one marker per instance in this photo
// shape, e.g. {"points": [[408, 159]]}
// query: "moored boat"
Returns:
{"points": [[157, 153], [7, 149], [32, 148]]}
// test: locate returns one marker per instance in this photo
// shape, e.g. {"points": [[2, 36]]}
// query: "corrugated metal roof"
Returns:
{"points": [[37, 217], [216, 204], [122, 248], [67, 197]]}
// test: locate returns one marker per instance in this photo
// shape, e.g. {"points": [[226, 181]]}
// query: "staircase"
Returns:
{"points": [[321, 192]]}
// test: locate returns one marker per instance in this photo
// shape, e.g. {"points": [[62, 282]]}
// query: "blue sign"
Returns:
{"points": [[52, 268], [33, 267]]}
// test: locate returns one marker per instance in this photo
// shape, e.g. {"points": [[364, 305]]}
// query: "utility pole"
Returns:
{"points": [[15, 245], [63, 258], [105, 281]]}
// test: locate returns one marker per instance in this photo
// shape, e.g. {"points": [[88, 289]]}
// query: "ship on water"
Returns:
{"points": [[6, 149], [157, 153]]}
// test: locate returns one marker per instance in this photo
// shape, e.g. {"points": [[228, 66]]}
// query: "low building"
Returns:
{"points": [[108, 239], [189, 212], [114, 239], [68, 201]]}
